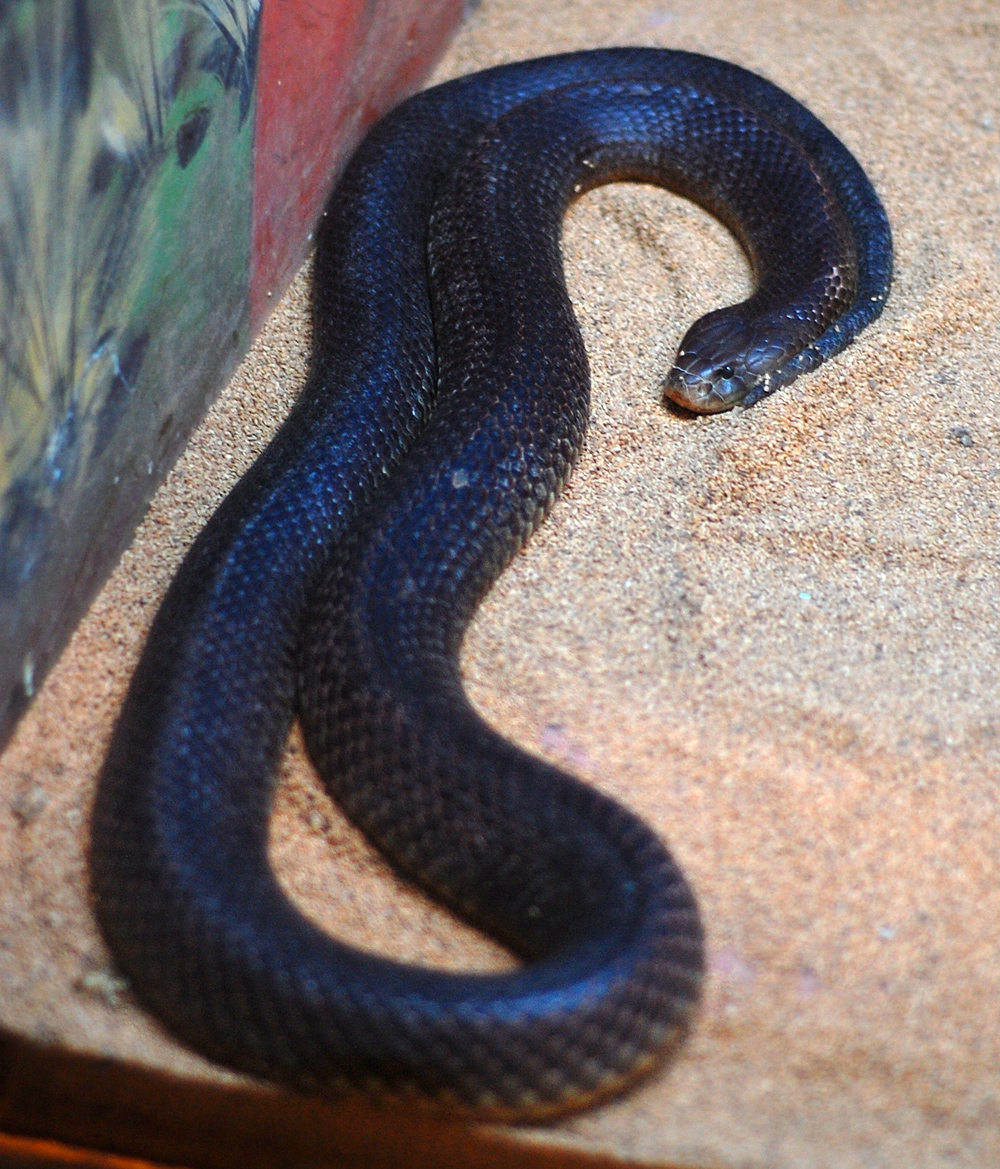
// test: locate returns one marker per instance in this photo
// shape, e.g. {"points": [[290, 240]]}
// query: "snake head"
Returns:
{"points": [[721, 360]]}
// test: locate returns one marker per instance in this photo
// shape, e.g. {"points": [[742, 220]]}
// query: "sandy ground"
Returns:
{"points": [[773, 633]]}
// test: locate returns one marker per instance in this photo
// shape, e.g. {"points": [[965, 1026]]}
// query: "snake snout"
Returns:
{"points": [[702, 394]]}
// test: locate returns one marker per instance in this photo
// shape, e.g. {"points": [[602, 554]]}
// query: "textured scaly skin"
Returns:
{"points": [[436, 428]]}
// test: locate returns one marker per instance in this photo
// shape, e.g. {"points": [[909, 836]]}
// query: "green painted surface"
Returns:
{"points": [[125, 188]]}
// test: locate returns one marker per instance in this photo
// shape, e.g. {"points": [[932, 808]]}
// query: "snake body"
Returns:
{"points": [[446, 403]]}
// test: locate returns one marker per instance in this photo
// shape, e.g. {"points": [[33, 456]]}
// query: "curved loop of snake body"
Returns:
{"points": [[439, 421]]}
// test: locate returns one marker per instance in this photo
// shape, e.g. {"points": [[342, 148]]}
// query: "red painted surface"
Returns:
{"points": [[327, 70]]}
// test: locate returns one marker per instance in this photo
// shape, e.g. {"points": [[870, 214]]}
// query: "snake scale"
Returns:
{"points": [[446, 403]]}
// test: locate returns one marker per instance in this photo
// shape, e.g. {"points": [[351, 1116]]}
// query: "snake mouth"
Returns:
{"points": [[705, 395]]}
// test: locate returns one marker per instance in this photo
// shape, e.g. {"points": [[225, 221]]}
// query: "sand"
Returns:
{"points": [[772, 633]]}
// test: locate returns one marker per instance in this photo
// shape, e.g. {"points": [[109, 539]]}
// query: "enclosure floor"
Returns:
{"points": [[773, 633]]}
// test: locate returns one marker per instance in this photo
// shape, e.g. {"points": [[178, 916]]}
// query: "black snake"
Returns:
{"points": [[446, 403]]}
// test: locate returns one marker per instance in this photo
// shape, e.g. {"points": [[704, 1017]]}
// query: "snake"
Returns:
{"points": [[446, 401]]}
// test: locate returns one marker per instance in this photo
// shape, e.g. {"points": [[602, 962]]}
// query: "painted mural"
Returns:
{"points": [[162, 163], [124, 126], [105, 142]]}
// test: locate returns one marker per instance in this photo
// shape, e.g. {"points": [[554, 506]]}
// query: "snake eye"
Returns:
{"points": [[725, 373]]}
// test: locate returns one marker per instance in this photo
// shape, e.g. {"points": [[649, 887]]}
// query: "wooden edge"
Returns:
{"points": [[131, 1111], [34, 1153]]}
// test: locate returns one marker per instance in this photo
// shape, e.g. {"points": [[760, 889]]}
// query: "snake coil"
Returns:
{"points": [[447, 401]]}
